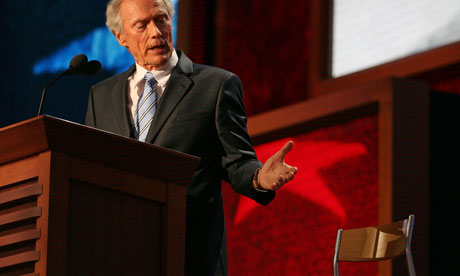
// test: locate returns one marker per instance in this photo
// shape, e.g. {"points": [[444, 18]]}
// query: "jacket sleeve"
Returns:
{"points": [[240, 160], [90, 118]]}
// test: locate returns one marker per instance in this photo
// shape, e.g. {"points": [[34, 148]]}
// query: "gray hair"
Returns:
{"points": [[113, 15]]}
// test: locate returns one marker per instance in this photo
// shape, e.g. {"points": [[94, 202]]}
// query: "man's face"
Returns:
{"points": [[147, 32]]}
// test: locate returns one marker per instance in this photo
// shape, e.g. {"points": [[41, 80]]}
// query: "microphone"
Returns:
{"points": [[75, 64], [91, 68], [78, 65]]}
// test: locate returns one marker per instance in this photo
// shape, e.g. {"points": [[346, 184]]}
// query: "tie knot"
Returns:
{"points": [[149, 77]]}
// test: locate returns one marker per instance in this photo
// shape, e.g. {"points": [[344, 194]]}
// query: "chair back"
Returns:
{"points": [[375, 243]]}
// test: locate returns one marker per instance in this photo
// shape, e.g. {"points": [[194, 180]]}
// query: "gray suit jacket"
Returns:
{"points": [[201, 113]]}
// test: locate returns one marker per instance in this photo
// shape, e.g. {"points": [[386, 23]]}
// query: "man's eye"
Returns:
{"points": [[163, 18]]}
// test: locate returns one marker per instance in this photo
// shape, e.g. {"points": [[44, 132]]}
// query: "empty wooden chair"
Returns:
{"points": [[375, 243]]}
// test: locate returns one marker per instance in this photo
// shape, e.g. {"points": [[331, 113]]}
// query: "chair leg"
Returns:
{"points": [[335, 263], [410, 260], [336, 269], [410, 263]]}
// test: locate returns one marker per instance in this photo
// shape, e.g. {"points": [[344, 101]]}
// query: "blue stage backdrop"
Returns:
{"points": [[41, 39]]}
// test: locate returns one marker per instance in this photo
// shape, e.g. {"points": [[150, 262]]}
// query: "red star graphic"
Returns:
{"points": [[310, 157]]}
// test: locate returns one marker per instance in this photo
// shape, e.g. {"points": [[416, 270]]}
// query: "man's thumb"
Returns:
{"points": [[286, 148]]}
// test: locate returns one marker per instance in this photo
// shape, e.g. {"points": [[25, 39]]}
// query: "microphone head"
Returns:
{"points": [[91, 68], [77, 62]]}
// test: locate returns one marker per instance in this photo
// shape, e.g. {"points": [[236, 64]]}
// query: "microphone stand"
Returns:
{"points": [[40, 109], [78, 65]]}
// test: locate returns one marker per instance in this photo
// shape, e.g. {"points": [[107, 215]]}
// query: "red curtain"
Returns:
{"points": [[265, 44]]}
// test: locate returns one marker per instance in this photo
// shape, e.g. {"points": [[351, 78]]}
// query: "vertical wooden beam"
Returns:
{"points": [[44, 161], [54, 177], [385, 166], [385, 103]]}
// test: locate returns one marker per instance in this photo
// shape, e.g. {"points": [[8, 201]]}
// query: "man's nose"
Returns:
{"points": [[154, 31]]}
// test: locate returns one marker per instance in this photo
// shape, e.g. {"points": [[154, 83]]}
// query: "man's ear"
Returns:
{"points": [[121, 39]]}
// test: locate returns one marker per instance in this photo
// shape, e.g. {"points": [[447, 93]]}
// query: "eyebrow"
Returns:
{"points": [[140, 21]]}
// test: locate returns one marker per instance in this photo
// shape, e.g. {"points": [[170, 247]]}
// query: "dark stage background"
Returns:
{"points": [[36, 30]]}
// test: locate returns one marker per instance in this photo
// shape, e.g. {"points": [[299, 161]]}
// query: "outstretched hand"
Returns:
{"points": [[275, 173]]}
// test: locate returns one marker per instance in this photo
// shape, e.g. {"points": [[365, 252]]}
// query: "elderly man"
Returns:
{"points": [[167, 100]]}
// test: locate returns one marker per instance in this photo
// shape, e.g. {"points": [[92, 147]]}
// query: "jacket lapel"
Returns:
{"points": [[178, 85], [120, 102]]}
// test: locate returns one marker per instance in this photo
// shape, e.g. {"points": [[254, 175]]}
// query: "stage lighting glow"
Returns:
{"points": [[99, 44]]}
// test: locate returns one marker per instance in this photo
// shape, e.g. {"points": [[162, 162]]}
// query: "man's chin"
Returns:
{"points": [[159, 57], [157, 62]]}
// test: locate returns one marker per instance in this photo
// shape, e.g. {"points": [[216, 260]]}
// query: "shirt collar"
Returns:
{"points": [[162, 74]]}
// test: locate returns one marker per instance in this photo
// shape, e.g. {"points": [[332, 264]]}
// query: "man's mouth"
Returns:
{"points": [[157, 47]]}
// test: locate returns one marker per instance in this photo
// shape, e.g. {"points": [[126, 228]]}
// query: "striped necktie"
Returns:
{"points": [[146, 107]]}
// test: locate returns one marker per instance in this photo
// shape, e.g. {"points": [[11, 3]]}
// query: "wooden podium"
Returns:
{"points": [[75, 200]]}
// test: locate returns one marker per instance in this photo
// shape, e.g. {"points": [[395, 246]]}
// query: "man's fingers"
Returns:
{"points": [[291, 176], [278, 183], [290, 169], [281, 180], [286, 148]]}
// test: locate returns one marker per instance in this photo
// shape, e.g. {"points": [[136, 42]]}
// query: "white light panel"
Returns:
{"points": [[367, 33]]}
